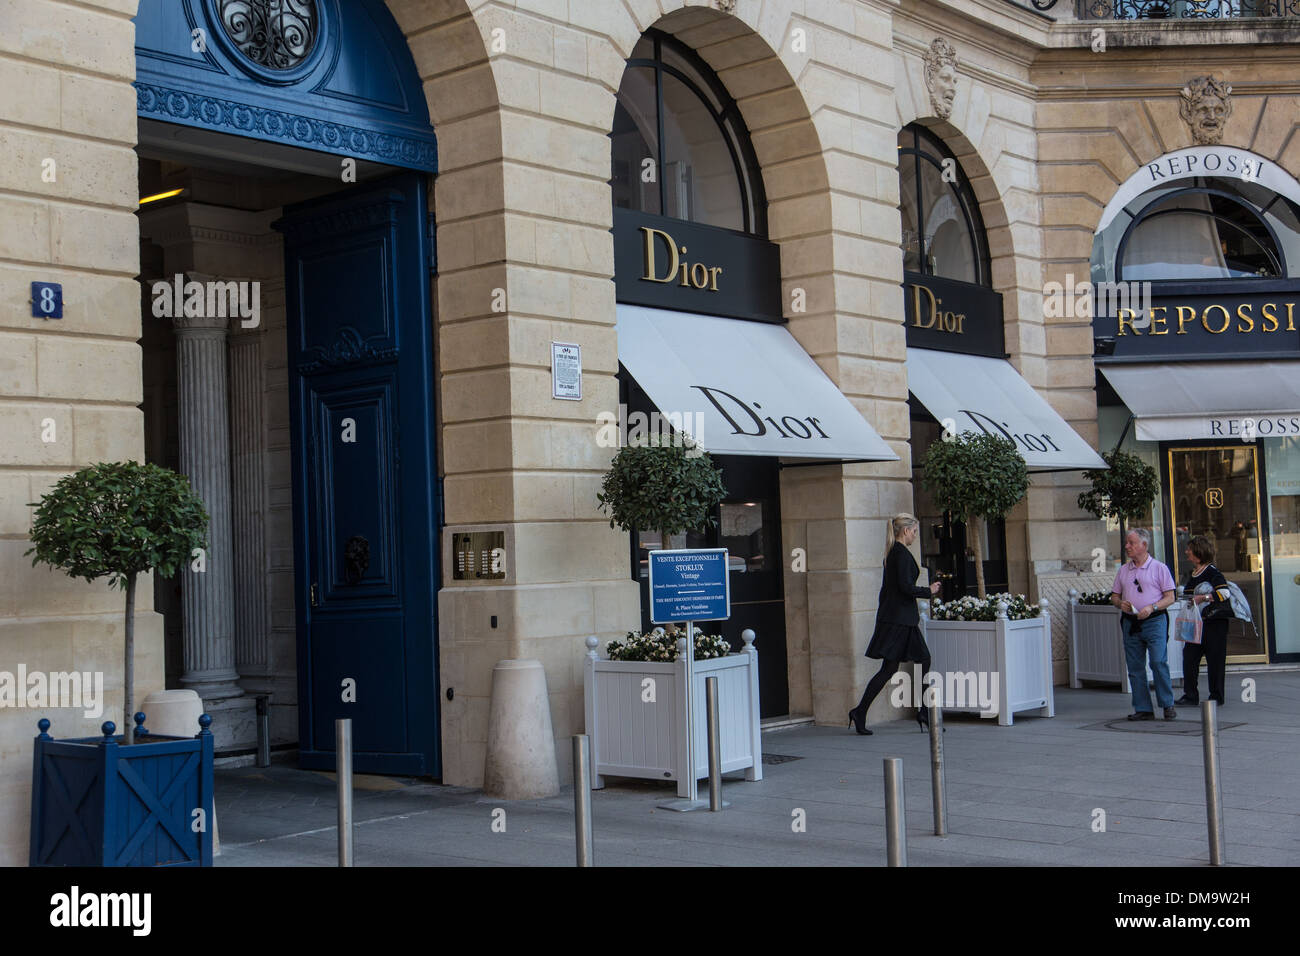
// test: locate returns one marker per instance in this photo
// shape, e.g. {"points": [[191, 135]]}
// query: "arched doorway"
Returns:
{"points": [[1196, 266], [290, 145]]}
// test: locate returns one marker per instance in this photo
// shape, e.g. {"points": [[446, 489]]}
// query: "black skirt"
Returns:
{"points": [[898, 642]]}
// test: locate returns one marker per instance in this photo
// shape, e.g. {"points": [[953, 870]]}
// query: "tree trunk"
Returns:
{"points": [[973, 537], [666, 542], [128, 678], [1121, 538]]}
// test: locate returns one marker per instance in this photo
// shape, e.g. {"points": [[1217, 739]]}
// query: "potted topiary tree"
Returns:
{"points": [[118, 520], [669, 487], [977, 476], [1123, 491]]}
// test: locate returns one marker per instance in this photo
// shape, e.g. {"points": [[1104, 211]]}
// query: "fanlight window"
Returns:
{"points": [[1205, 229], [943, 233], [679, 146], [274, 34]]}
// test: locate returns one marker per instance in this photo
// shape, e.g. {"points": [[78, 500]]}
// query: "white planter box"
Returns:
{"points": [[633, 737], [1097, 646], [1015, 655]]}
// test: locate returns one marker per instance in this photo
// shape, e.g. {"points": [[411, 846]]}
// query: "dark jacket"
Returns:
{"points": [[898, 590]]}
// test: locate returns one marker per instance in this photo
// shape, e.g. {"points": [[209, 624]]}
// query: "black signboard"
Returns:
{"points": [[951, 316], [674, 264], [1202, 321]]}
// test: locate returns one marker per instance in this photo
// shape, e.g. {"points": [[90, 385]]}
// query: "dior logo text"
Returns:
{"points": [[689, 275], [214, 300], [755, 425], [943, 321], [1030, 442]]}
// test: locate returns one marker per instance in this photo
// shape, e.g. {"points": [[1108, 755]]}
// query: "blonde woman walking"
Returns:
{"points": [[897, 638]]}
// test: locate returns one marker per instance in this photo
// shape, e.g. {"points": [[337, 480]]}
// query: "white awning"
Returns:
{"points": [[1174, 401], [742, 388], [975, 392]]}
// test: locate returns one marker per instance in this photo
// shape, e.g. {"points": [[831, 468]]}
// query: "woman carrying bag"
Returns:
{"points": [[1215, 615], [897, 637]]}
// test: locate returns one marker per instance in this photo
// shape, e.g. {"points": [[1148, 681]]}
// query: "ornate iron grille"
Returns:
{"points": [[1176, 9], [275, 34]]}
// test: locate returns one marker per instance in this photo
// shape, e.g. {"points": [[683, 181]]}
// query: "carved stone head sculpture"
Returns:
{"points": [[941, 76], [1206, 106]]}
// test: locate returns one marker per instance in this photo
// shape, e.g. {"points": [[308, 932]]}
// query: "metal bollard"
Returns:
{"points": [[895, 815], [343, 763], [715, 747], [937, 787], [263, 731], [582, 799], [1213, 785]]}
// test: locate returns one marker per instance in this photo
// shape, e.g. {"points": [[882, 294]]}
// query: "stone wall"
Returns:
{"points": [[69, 388]]}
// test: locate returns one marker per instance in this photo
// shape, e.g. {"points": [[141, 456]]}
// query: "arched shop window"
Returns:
{"points": [[1203, 229], [943, 233], [943, 241], [679, 145]]}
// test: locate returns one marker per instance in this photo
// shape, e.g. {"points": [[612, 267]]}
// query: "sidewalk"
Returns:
{"points": [[1020, 795]]}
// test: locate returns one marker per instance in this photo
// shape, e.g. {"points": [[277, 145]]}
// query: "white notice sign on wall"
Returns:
{"points": [[566, 371]]}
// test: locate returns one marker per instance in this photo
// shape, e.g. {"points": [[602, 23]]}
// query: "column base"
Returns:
{"points": [[234, 722]]}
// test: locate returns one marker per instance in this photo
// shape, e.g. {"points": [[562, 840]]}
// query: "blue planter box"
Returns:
{"points": [[96, 802]]}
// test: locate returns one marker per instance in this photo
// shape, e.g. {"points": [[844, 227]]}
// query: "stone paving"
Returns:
{"points": [[1024, 795]]}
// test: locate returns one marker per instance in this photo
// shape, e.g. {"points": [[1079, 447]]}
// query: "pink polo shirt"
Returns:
{"points": [[1154, 577]]}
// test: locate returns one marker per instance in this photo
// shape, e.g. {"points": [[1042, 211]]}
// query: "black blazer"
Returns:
{"points": [[898, 590]]}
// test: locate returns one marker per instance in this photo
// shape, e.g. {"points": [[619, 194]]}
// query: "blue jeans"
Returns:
{"points": [[1151, 638]]}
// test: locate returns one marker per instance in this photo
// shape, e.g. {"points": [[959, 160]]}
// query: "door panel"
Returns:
{"points": [[365, 549], [1214, 491]]}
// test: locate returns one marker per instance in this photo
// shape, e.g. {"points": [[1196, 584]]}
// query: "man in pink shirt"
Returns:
{"points": [[1143, 589]]}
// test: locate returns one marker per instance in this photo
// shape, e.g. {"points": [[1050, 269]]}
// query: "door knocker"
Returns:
{"points": [[356, 558]]}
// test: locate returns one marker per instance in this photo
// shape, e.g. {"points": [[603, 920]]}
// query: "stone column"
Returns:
{"points": [[248, 487], [209, 596]]}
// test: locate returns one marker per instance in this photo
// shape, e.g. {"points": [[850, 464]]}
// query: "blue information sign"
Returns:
{"points": [[47, 300], [689, 585]]}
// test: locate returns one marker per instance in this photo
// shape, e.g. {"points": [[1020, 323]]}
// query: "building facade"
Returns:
{"points": [[422, 201]]}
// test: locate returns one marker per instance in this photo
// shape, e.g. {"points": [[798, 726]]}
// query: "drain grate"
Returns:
{"points": [[1186, 728], [779, 758]]}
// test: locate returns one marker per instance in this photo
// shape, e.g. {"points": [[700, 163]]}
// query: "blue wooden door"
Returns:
{"points": [[365, 533]]}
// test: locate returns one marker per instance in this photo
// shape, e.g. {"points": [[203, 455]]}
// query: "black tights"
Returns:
{"points": [[881, 678]]}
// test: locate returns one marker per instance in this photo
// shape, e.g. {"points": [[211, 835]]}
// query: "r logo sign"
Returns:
{"points": [[1214, 497]]}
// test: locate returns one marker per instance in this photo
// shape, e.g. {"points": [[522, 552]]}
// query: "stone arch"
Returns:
{"points": [[829, 172]]}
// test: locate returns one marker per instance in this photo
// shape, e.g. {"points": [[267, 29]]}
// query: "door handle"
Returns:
{"points": [[313, 594]]}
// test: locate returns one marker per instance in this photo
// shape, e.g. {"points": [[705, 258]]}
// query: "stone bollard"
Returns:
{"points": [[520, 761], [175, 713]]}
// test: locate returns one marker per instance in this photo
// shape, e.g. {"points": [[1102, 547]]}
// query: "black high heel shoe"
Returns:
{"points": [[858, 723]]}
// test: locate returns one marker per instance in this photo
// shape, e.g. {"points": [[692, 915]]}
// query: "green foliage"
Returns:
{"points": [[1124, 491], [661, 646], [117, 520], [659, 487], [1095, 598], [975, 475], [983, 609]]}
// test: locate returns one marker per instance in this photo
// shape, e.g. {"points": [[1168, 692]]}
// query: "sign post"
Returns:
{"points": [[687, 586]]}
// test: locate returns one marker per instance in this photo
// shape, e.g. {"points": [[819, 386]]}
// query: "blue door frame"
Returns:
{"points": [[365, 520]]}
